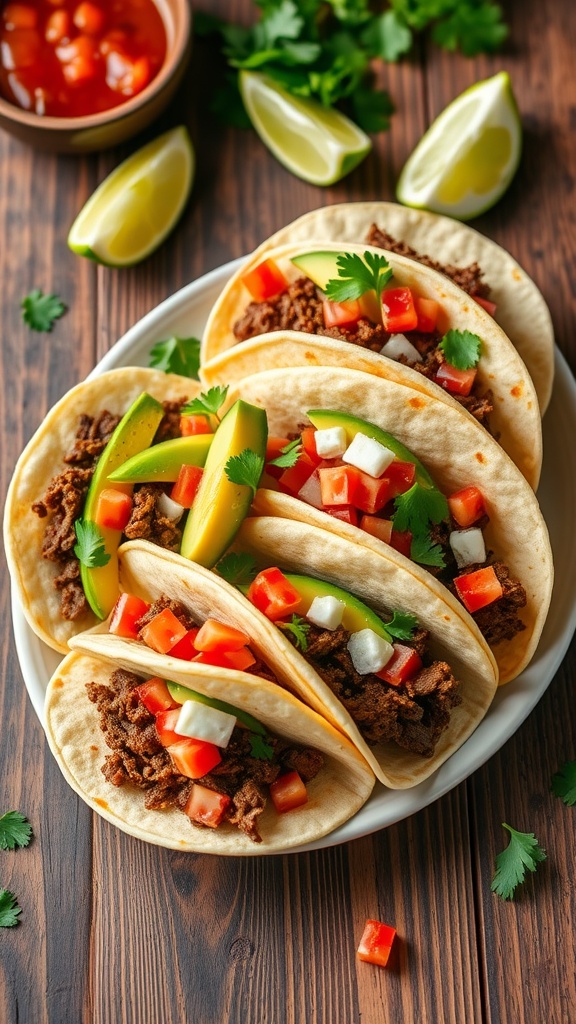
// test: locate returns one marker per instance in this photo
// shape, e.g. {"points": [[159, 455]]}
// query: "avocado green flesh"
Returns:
{"points": [[161, 463], [320, 267], [181, 693], [221, 506], [357, 615], [134, 432], [324, 418]]}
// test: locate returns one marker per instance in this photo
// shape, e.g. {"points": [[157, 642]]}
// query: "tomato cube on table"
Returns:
{"points": [[376, 943]]}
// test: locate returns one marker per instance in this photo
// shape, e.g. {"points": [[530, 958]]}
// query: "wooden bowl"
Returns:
{"points": [[110, 127]]}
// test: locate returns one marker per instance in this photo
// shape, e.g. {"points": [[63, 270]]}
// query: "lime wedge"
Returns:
{"points": [[316, 143], [138, 204], [469, 155]]}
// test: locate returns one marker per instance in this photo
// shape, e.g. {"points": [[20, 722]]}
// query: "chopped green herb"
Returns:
{"points": [[299, 629], [90, 549], [290, 454], [461, 348], [208, 403], [41, 311], [522, 854], [238, 568], [425, 552], [9, 909], [245, 469], [401, 625], [358, 275], [259, 748], [177, 355], [417, 508], [15, 830], [564, 783]]}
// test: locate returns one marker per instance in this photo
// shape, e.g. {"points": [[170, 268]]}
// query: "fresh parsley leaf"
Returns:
{"points": [[177, 355], [564, 783], [208, 403], [40, 311], [290, 454], [238, 568], [387, 36], [299, 629], [473, 27], [522, 853], [259, 748], [15, 830], [461, 348], [245, 469], [358, 275], [90, 549], [423, 551], [9, 909], [401, 625], [418, 507]]}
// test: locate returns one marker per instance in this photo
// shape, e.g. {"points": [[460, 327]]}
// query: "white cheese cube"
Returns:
{"points": [[201, 722], [368, 455], [468, 546], [330, 442], [398, 345], [326, 612], [369, 652]]}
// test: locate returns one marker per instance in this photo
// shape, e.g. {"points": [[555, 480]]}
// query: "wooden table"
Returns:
{"points": [[113, 930]]}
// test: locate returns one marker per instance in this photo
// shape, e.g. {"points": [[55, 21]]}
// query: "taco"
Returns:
{"points": [[430, 490], [404, 725], [424, 332]]}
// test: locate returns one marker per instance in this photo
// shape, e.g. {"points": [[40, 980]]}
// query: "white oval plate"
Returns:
{"points": [[184, 314]]}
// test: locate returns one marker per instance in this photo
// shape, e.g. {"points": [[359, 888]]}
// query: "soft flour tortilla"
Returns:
{"points": [[72, 727], [455, 451], [40, 461], [515, 419], [149, 572], [521, 309]]}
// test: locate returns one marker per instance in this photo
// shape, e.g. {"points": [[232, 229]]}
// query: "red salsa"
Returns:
{"points": [[68, 58]]}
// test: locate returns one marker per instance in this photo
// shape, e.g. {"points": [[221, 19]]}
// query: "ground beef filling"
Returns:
{"points": [[139, 759], [469, 279], [413, 715], [64, 499]]}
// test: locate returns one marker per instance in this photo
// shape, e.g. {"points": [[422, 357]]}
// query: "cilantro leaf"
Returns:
{"points": [[245, 469], [15, 830], [90, 549], [473, 27], [238, 568], [423, 551], [40, 311], [208, 403], [177, 355], [401, 625], [259, 748], [461, 348], [358, 275], [299, 629], [522, 853], [290, 454], [564, 783], [418, 507], [9, 909], [388, 36]]}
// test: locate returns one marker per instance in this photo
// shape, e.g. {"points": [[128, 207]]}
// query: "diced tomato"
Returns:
{"points": [[478, 589], [404, 663], [206, 806], [125, 614], [370, 306], [218, 636], [310, 491], [467, 506], [155, 696], [186, 486], [113, 508], [401, 476], [337, 314], [185, 649], [380, 528], [163, 632], [194, 758], [194, 423], [57, 26], [401, 541], [372, 494], [486, 304], [287, 792], [19, 16], [346, 514], [273, 594], [376, 943], [427, 310], [265, 281], [458, 382], [240, 660], [293, 478], [78, 60], [166, 726], [274, 447], [398, 310], [88, 18], [338, 485], [309, 444]]}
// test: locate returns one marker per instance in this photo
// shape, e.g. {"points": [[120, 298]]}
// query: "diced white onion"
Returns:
{"points": [[368, 455], [326, 612], [369, 652], [170, 509], [201, 722], [330, 442], [398, 345], [468, 546], [310, 492]]}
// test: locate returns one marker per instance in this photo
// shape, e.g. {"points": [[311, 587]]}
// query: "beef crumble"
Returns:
{"points": [[469, 279]]}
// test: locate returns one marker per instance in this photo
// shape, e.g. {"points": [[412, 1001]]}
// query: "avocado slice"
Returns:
{"points": [[323, 418], [181, 693], [320, 267], [357, 615], [135, 431], [220, 506], [161, 463]]}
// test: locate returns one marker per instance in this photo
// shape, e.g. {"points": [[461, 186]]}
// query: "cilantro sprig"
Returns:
{"points": [[90, 549], [299, 629], [522, 854], [358, 275], [462, 349], [260, 748], [41, 311], [177, 355], [15, 830], [416, 510], [290, 454], [564, 783], [245, 469], [401, 625], [9, 909], [238, 568], [208, 403]]}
